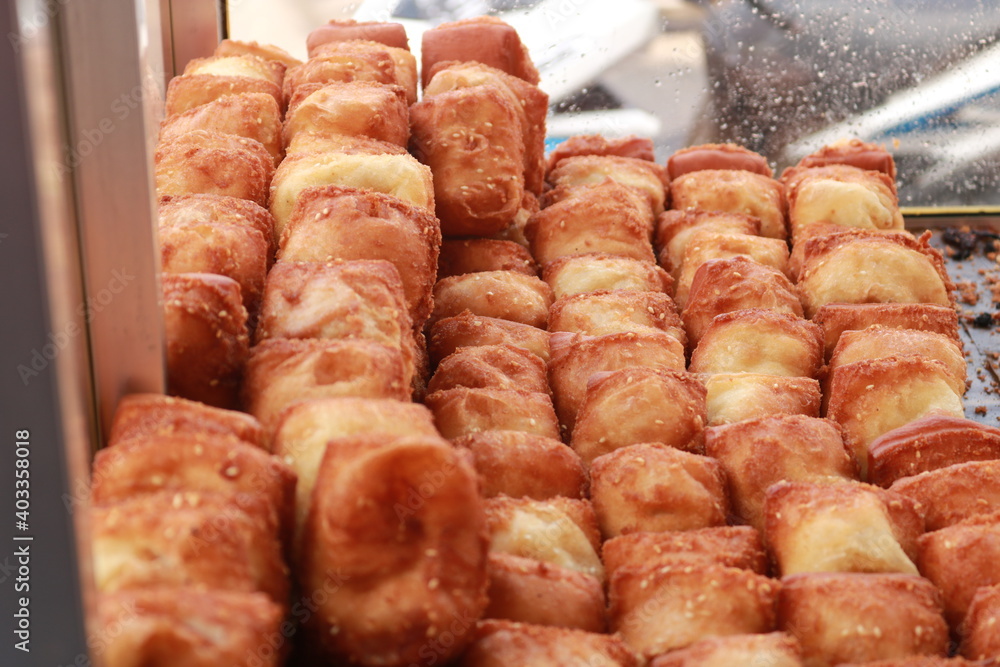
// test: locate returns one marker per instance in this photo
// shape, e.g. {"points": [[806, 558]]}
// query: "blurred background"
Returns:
{"points": [[781, 77]]}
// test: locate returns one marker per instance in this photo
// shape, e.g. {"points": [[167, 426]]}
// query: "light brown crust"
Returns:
{"points": [[344, 61], [491, 367], [461, 256], [734, 191], [451, 333], [663, 406], [575, 358], [519, 464], [734, 397], [640, 148], [774, 649], [854, 152], [654, 487], [189, 91], [207, 162], [502, 643], [717, 156], [591, 272], [704, 245], [238, 65], [531, 591], [207, 342], [486, 39], [617, 311], [851, 617], [364, 108], [236, 47], [404, 72], [954, 493], [731, 546], [251, 115], [505, 295], [645, 179], [836, 318], [139, 416], [462, 411], [674, 229], [216, 208], [348, 144], [980, 640], [340, 30], [756, 453]]}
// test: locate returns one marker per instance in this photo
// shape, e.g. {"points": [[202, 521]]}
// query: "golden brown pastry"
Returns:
{"points": [[306, 142], [836, 318], [396, 536], [462, 411], [250, 115], [603, 217], [344, 61], [717, 156], [334, 222], [639, 405], [576, 357], [139, 416], [236, 47], [466, 329], [399, 175], [674, 229], [208, 162], [404, 74], [363, 108], [930, 443], [959, 560], [282, 372], [519, 464], [734, 191], [461, 256], [979, 636], [486, 39], [207, 342], [207, 79], [249, 65], [515, 230], [838, 526], [194, 209], [502, 643], [505, 295], [187, 626], [917, 661], [953, 493], [617, 311], [731, 546], [591, 272], [734, 397], [854, 152], [646, 179], [721, 286], [531, 591], [632, 146], [852, 617], [654, 487], [705, 244], [491, 367], [757, 453], [340, 30], [558, 531], [872, 397], [674, 606], [756, 340], [774, 649], [860, 266]]}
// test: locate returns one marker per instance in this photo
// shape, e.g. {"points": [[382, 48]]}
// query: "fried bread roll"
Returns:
{"points": [[734, 191], [363, 108], [757, 453], [717, 156], [836, 318], [189, 538], [916, 661], [344, 61], [532, 591], [663, 406], [307, 142], [774, 649], [558, 531], [505, 295], [872, 397], [341, 30], [734, 397], [207, 162], [841, 527], [467, 329], [929, 443], [646, 179], [282, 372], [731, 546], [396, 536], [461, 256], [491, 367], [674, 229], [334, 222], [960, 559], [519, 464], [856, 153], [640, 148], [674, 606], [207, 343], [501, 643], [188, 626], [721, 286], [531, 103], [979, 637], [471, 139], [515, 230], [463, 411], [756, 340], [591, 272], [705, 244], [953, 493], [617, 311], [236, 47], [867, 267], [486, 39], [575, 358], [654, 487], [404, 74], [207, 79], [250, 115], [604, 217], [852, 617], [139, 416], [194, 209]]}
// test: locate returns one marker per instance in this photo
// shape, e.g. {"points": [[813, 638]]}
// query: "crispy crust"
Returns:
{"points": [[208, 162], [505, 295], [491, 367], [674, 229], [340, 30], [646, 179], [238, 65], [502, 643], [731, 546], [836, 318], [734, 397], [364, 108], [486, 39], [461, 256], [734, 191], [465, 329], [640, 148], [139, 416], [979, 637], [705, 244], [462, 411], [774, 649], [235, 47], [181, 209], [343, 61], [617, 311], [189, 91], [954, 493], [404, 74], [717, 156], [251, 115], [591, 272], [854, 152]]}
